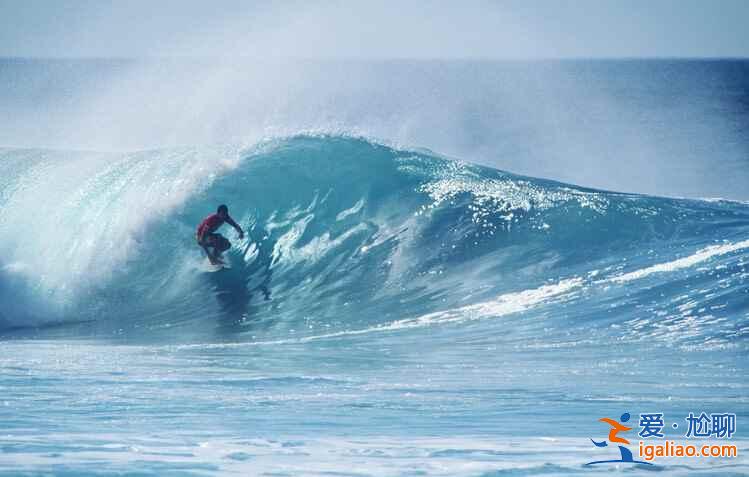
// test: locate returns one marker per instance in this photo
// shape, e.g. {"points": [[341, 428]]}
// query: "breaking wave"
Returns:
{"points": [[348, 236]]}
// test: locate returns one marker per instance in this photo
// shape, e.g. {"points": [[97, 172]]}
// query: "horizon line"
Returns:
{"points": [[372, 59]]}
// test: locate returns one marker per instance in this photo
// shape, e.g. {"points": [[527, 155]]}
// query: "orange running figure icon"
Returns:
{"points": [[616, 427]]}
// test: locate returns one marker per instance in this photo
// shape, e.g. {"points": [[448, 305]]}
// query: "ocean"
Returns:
{"points": [[450, 267]]}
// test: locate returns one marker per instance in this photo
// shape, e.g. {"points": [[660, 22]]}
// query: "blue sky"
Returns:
{"points": [[382, 29]]}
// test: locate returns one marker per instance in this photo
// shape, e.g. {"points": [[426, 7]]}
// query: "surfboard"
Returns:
{"points": [[210, 267]]}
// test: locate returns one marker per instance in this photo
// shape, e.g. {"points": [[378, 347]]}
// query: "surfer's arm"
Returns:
{"points": [[236, 226]]}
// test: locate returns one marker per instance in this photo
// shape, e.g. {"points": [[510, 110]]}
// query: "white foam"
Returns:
{"points": [[685, 262], [503, 305], [90, 211], [503, 196], [350, 211]]}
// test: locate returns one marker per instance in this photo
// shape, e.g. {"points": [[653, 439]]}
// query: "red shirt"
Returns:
{"points": [[210, 224]]}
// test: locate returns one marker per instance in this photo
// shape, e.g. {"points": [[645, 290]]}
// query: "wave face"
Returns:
{"points": [[350, 237]]}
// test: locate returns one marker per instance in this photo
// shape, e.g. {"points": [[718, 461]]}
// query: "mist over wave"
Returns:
{"points": [[675, 128]]}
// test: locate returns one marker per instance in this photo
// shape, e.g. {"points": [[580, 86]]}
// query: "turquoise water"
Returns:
{"points": [[391, 312]]}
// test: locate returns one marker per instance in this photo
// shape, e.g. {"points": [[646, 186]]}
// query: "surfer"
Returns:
{"points": [[208, 238]]}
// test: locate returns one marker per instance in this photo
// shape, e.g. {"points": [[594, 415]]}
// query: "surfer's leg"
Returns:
{"points": [[218, 244], [221, 244], [210, 248]]}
